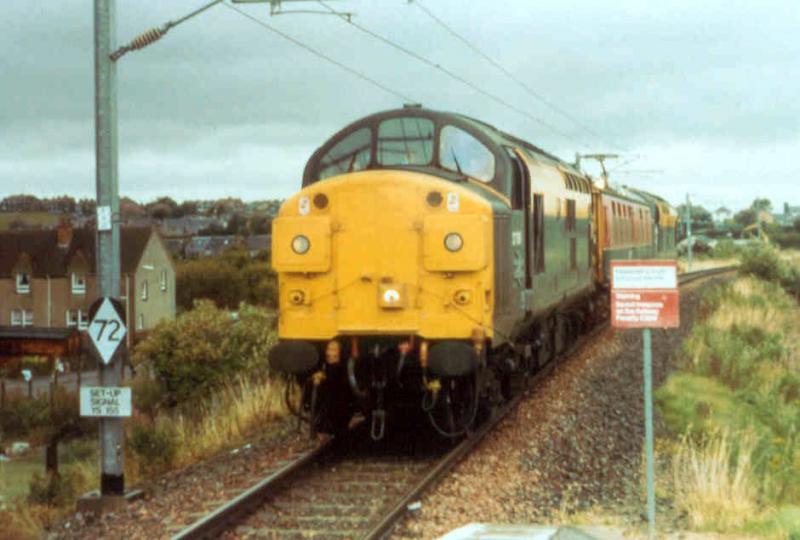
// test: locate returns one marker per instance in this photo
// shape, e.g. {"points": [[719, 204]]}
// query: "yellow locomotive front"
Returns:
{"points": [[386, 283], [385, 252]]}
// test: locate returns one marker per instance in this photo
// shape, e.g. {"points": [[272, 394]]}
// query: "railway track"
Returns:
{"points": [[350, 489]]}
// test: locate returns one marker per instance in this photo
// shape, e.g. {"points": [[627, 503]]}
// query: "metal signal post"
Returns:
{"points": [[112, 457]]}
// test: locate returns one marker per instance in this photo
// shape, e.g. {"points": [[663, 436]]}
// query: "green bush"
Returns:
{"points": [[786, 239], [149, 395], [227, 280], [735, 356], [725, 249], [763, 261], [34, 418], [155, 444], [54, 489], [206, 347], [22, 415]]}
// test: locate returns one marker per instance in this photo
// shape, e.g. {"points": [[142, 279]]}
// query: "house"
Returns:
{"points": [[48, 279], [210, 246], [258, 243], [189, 225]]}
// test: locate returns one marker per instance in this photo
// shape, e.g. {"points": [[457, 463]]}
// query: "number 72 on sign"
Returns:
{"points": [[107, 327]]}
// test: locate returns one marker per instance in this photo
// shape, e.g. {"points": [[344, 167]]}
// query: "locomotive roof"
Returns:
{"points": [[491, 136]]}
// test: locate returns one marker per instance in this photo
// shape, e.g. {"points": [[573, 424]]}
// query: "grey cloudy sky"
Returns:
{"points": [[703, 92]]}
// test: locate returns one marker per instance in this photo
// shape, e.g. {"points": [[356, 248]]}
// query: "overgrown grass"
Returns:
{"points": [[174, 439], [48, 498], [735, 406], [715, 483]]}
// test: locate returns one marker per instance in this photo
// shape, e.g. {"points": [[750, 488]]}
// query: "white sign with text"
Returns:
{"points": [[105, 401]]}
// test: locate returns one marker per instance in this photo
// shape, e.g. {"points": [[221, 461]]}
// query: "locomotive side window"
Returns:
{"points": [[405, 141], [459, 151], [350, 154], [538, 233], [571, 221]]}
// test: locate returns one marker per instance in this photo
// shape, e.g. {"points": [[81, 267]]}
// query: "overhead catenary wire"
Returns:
{"points": [[509, 74], [453, 75], [320, 54]]}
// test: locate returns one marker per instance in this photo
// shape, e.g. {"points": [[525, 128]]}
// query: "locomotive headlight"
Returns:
{"points": [[391, 296], [453, 242], [301, 244]]}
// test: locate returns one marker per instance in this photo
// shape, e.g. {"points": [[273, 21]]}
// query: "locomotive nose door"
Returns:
{"points": [[521, 225]]}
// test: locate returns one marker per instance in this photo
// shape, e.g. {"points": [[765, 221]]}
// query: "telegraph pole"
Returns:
{"points": [[112, 457], [107, 327]]}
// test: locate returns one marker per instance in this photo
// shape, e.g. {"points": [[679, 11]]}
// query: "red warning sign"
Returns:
{"points": [[644, 294]]}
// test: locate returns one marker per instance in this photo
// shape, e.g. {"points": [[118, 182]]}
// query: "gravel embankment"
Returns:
{"points": [[179, 498], [574, 445]]}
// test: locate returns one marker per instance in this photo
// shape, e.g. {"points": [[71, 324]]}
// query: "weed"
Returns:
{"points": [[715, 483], [155, 444]]}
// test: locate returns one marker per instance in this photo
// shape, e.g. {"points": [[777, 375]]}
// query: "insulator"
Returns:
{"points": [[145, 39]]}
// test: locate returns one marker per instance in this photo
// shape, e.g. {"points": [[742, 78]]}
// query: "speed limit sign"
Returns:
{"points": [[107, 327]]}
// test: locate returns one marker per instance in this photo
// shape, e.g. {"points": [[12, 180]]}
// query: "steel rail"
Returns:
{"points": [[221, 519], [218, 521]]}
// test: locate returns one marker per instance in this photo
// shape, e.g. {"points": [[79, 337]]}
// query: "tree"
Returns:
{"points": [[188, 208], [797, 224], [163, 207], [260, 224], [212, 278], [130, 208], [761, 204], [745, 217], [701, 218], [87, 207]]}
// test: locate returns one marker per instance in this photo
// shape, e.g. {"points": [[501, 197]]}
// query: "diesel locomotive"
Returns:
{"points": [[431, 262]]}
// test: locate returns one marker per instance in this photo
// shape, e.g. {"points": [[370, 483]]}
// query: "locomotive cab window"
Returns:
{"points": [[461, 152], [405, 141], [349, 155]]}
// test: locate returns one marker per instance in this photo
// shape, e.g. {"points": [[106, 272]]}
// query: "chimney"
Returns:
{"points": [[64, 233]]}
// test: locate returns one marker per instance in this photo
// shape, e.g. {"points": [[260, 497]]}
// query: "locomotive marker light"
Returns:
{"points": [[644, 294], [301, 244], [453, 242]]}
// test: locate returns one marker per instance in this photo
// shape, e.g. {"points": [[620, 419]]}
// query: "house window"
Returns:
{"points": [[140, 323], [72, 318], [163, 280], [78, 283], [145, 292], [23, 283], [83, 320], [21, 317]]}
